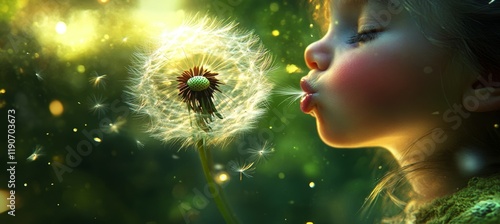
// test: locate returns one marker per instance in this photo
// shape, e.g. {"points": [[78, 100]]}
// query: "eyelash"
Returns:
{"points": [[363, 36]]}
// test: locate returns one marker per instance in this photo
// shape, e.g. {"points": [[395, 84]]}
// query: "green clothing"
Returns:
{"points": [[479, 202]]}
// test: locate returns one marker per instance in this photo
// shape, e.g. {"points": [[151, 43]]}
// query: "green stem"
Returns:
{"points": [[215, 189]]}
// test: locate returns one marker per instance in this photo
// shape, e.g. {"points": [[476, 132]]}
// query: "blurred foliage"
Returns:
{"points": [[128, 177]]}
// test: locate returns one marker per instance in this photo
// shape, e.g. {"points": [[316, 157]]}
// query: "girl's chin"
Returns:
{"points": [[335, 137]]}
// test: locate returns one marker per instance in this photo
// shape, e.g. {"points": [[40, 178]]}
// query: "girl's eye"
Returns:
{"points": [[364, 36]]}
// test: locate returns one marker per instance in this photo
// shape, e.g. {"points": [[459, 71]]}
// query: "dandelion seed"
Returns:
{"points": [[37, 152], [261, 152], [204, 80], [292, 94], [117, 125], [97, 105], [38, 71], [139, 144], [243, 169], [98, 80], [39, 76]]}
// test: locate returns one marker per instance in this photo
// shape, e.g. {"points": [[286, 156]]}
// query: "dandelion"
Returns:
{"points": [[202, 84], [201, 71]]}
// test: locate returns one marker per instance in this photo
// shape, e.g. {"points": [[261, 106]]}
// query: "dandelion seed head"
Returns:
{"points": [[198, 83], [236, 56], [196, 88]]}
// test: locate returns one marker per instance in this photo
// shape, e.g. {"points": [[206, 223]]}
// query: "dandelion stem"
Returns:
{"points": [[215, 189]]}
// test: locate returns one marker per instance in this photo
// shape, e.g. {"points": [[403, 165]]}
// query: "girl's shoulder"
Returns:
{"points": [[479, 202]]}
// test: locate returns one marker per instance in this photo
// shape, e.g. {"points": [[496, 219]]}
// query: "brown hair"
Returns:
{"points": [[321, 13], [471, 28]]}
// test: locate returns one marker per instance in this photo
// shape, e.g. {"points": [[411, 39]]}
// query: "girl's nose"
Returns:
{"points": [[318, 55]]}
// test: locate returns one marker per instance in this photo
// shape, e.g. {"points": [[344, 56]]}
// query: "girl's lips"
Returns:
{"points": [[307, 102]]}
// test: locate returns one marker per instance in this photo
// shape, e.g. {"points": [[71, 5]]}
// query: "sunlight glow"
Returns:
{"points": [[60, 27], [75, 35], [71, 33]]}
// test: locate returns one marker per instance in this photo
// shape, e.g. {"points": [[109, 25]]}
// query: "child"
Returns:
{"points": [[419, 78]]}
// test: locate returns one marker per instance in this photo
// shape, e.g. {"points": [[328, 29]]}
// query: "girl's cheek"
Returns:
{"points": [[369, 82]]}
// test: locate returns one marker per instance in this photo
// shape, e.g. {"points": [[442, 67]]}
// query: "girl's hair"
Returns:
{"points": [[470, 30], [321, 13]]}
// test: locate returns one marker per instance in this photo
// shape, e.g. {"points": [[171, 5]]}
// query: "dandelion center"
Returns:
{"points": [[196, 88], [198, 83]]}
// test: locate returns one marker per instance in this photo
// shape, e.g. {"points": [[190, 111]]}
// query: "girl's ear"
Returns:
{"points": [[483, 99]]}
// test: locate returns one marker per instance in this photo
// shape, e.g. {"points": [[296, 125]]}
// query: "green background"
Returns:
{"points": [[120, 181]]}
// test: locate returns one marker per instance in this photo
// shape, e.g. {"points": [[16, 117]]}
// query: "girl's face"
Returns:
{"points": [[374, 79]]}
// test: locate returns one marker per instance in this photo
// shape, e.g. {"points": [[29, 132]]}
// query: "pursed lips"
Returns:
{"points": [[307, 102]]}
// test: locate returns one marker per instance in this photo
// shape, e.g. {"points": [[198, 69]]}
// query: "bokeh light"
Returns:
{"points": [[56, 108], [4, 202], [61, 27], [312, 184], [222, 177]]}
